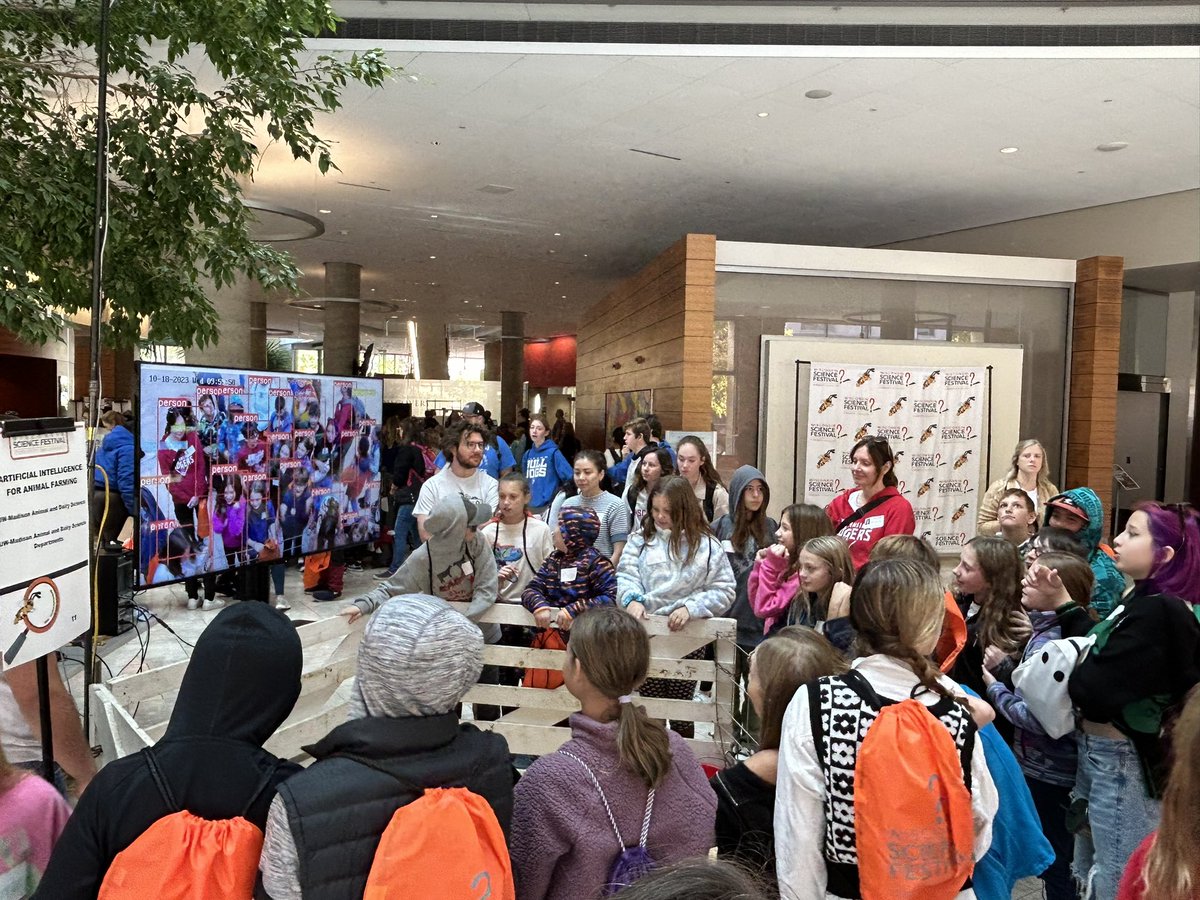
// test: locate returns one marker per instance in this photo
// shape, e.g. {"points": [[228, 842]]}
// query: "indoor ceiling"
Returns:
{"points": [[477, 182]]}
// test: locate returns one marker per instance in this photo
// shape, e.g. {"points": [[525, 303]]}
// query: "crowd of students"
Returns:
{"points": [[896, 739]]}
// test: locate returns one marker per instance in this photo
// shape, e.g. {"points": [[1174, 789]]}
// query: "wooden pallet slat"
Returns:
{"points": [[534, 725]]}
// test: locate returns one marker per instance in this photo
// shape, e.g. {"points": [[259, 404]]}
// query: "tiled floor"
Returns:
{"points": [[124, 653]]}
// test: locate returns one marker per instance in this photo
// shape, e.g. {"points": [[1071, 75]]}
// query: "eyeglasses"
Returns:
{"points": [[475, 445]]}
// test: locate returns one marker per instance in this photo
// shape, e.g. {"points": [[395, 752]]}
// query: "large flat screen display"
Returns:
{"points": [[240, 467]]}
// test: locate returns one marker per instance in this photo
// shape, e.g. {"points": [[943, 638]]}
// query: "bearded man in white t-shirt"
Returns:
{"points": [[464, 446]]}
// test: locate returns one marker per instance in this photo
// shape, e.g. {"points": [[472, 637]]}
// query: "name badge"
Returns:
{"points": [[567, 575], [467, 568]]}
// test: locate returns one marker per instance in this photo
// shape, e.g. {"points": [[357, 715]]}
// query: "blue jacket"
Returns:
{"points": [[117, 457], [1019, 849], [1110, 583], [545, 469]]}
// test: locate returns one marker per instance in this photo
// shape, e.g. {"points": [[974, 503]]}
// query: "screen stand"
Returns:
{"points": [[254, 582]]}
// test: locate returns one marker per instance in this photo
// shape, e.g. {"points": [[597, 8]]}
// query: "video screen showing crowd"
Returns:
{"points": [[241, 467]]}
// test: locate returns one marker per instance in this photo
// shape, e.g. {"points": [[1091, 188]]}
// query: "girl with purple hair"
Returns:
{"points": [[1145, 660]]}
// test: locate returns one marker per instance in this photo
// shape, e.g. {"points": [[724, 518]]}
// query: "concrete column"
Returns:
{"points": [[492, 361], [433, 351], [258, 335], [234, 345], [343, 281], [512, 371]]}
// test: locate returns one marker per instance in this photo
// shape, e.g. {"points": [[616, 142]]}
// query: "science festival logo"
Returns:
{"points": [[829, 376], [894, 378]]}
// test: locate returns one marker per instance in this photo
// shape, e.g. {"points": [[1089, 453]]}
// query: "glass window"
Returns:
{"points": [[308, 361]]}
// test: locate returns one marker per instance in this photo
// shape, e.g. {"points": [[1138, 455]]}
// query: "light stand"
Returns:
{"points": [[100, 235]]}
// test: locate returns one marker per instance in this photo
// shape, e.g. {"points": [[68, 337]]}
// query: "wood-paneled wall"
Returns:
{"points": [[1095, 349], [663, 314]]}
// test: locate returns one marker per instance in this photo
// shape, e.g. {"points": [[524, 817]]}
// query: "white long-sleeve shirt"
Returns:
{"points": [[800, 790]]}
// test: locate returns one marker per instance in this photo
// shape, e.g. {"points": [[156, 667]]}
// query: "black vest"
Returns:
{"points": [[338, 808]]}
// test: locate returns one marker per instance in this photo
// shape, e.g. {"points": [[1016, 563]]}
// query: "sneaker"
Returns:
{"points": [[282, 604], [212, 604], [193, 603], [385, 574], [354, 567], [391, 532], [325, 596]]}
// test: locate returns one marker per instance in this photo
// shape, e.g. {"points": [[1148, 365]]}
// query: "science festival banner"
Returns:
{"points": [[240, 467], [933, 420], [44, 591]]}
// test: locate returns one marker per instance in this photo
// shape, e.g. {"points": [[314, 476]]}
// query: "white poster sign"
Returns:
{"points": [[43, 543], [933, 420]]}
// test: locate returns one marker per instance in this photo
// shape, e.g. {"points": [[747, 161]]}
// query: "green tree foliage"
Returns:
{"points": [[181, 148]]}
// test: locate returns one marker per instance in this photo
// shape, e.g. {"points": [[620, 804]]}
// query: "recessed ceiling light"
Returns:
{"points": [[343, 232], [433, 257], [818, 94], [1112, 146], [558, 234], [551, 251], [1009, 149], [564, 296], [466, 301], [556, 282], [762, 115], [585, 256], [325, 211], [372, 290], [433, 216]]}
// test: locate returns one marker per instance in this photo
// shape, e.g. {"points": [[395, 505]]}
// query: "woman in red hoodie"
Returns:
{"points": [[872, 508]]}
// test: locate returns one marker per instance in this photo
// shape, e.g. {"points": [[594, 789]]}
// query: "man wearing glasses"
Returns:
{"points": [[464, 445], [497, 455]]}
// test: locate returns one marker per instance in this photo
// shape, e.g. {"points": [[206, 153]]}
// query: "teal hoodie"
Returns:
{"points": [[1110, 583]]}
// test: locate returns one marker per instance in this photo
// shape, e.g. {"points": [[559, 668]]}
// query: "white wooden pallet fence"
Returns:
{"points": [[535, 725]]}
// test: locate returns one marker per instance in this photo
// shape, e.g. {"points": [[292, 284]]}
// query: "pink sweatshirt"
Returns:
{"points": [[563, 846], [771, 591], [32, 816]]}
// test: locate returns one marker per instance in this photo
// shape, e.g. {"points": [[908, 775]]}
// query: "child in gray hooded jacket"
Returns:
{"points": [[455, 564]]}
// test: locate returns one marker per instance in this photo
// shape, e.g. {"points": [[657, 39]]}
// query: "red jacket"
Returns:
{"points": [[893, 516]]}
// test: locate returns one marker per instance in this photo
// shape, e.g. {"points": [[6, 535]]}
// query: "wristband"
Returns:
{"points": [[631, 598]]}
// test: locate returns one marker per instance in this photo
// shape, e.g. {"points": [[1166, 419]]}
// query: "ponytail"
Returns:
{"points": [[613, 652], [642, 744]]}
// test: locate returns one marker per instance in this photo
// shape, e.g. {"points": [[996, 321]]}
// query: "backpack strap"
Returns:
{"points": [[160, 782], [860, 512], [858, 683], [263, 784], [815, 720], [603, 799], [168, 796], [710, 490]]}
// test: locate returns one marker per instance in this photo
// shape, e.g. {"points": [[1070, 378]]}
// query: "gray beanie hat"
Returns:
{"points": [[418, 657]]}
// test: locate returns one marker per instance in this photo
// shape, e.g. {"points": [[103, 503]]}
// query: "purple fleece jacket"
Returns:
{"points": [[563, 846]]}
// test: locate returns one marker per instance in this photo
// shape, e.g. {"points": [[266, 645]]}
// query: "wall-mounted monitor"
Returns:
{"points": [[240, 467]]}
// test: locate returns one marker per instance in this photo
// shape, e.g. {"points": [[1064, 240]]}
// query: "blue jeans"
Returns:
{"points": [[278, 571], [406, 530], [1119, 812]]}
